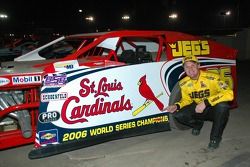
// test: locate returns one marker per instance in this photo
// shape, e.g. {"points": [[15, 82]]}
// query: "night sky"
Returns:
{"points": [[200, 16]]}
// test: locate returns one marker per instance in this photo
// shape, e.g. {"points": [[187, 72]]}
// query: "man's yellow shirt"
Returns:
{"points": [[208, 87]]}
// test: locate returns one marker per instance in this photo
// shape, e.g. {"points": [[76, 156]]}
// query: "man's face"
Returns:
{"points": [[192, 69]]}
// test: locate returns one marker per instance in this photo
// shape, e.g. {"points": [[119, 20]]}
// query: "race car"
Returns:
{"points": [[99, 87]]}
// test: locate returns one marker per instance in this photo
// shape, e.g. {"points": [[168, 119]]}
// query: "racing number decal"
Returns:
{"points": [[74, 135], [225, 74]]}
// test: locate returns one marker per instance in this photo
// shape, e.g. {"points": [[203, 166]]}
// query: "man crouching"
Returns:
{"points": [[205, 97]]}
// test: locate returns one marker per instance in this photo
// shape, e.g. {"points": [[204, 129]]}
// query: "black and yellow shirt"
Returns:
{"points": [[208, 88]]}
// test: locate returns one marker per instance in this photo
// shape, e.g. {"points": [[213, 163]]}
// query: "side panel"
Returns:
{"points": [[91, 105]]}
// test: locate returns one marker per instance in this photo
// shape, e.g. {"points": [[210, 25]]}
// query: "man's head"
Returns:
{"points": [[189, 58], [191, 66]]}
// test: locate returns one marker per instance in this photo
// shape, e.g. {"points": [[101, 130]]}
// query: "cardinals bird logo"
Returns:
{"points": [[147, 92]]}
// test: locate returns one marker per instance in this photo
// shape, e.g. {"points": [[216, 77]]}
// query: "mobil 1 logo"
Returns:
{"points": [[33, 79]]}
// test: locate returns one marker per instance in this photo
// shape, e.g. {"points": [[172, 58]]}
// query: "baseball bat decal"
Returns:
{"points": [[146, 104]]}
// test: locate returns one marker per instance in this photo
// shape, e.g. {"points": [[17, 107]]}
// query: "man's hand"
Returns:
{"points": [[171, 108], [200, 107]]}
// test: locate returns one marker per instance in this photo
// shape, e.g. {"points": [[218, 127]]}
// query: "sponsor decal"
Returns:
{"points": [[194, 47], [47, 117], [66, 65], [210, 78], [48, 136], [4, 81], [46, 97], [223, 85], [183, 83], [73, 111], [26, 79], [55, 80], [203, 85], [200, 94], [216, 98], [118, 127]]}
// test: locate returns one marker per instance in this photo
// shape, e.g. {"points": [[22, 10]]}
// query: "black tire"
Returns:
{"points": [[174, 97]]}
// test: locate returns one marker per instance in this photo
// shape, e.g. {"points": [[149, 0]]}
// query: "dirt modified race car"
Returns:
{"points": [[100, 87]]}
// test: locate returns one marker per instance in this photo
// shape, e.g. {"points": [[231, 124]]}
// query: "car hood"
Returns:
{"points": [[12, 67]]}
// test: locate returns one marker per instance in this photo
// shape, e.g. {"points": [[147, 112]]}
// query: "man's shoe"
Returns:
{"points": [[195, 132], [213, 144]]}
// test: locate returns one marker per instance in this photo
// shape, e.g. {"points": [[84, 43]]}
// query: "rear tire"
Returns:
{"points": [[175, 97]]}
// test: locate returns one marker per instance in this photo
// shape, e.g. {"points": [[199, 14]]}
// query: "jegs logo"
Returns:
{"points": [[55, 80], [194, 47]]}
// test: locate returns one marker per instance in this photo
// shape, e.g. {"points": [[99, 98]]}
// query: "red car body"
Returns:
{"points": [[23, 79]]}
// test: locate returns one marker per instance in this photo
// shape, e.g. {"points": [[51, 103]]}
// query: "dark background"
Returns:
{"points": [[195, 16]]}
